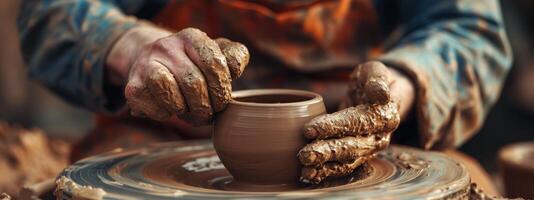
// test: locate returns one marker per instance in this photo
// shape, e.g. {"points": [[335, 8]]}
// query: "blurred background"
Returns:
{"points": [[28, 104]]}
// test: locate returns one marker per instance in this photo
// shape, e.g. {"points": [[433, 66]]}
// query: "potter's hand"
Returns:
{"points": [[186, 74], [344, 140]]}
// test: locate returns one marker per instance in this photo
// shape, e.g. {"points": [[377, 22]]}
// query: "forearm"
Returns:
{"points": [[457, 55], [64, 44]]}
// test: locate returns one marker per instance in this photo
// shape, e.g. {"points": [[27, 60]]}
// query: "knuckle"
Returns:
{"points": [[159, 44], [131, 91], [190, 32], [166, 44]]}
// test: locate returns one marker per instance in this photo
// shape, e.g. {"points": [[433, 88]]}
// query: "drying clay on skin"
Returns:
{"points": [[65, 185], [341, 150]]}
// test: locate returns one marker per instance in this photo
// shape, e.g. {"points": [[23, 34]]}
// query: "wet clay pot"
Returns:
{"points": [[258, 135]]}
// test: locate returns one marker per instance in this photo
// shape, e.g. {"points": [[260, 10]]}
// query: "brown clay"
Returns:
{"points": [[259, 134], [315, 175], [141, 103], [370, 84], [79, 192], [236, 54], [341, 150], [186, 75], [344, 139], [192, 170], [363, 119], [192, 87], [211, 61], [161, 84]]}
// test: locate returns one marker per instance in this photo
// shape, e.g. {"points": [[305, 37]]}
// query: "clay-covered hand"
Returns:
{"points": [[344, 140], [186, 74]]}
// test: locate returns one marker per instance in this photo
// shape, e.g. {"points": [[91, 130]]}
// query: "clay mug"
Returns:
{"points": [[516, 166], [259, 134]]}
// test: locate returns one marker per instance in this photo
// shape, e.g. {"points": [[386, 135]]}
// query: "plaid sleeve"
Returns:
{"points": [[64, 44], [458, 56]]}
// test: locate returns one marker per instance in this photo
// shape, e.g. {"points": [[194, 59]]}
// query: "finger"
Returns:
{"points": [[376, 86], [163, 87], [372, 82], [341, 150], [195, 90], [205, 53], [236, 54], [191, 81], [315, 175], [141, 102], [360, 120]]}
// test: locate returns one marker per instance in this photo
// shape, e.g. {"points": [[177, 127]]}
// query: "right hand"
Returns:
{"points": [[186, 74]]}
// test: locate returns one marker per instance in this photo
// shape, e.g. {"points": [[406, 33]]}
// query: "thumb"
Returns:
{"points": [[372, 79]]}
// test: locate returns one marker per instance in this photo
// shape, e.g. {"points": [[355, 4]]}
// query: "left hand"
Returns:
{"points": [[344, 140]]}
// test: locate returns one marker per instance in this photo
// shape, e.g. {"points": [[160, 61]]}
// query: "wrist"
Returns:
{"points": [[127, 48], [402, 91]]}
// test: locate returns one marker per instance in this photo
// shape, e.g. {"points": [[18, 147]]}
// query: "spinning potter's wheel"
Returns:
{"points": [[192, 170]]}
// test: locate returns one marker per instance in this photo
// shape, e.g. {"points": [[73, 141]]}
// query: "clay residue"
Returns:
{"points": [[338, 157], [341, 150], [203, 164], [347, 138], [162, 85], [236, 54], [76, 192], [141, 102], [365, 119], [194, 90], [206, 54], [315, 175], [409, 161], [187, 75], [370, 84]]}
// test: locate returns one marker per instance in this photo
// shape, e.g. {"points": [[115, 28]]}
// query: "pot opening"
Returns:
{"points": [[274, 98]]}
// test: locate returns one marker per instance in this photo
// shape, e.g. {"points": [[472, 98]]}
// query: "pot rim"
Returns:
{"points": [[314, 97], [515, 154]]}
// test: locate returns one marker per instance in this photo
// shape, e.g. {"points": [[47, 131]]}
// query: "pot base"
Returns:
{"points": [[191, 169]]}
